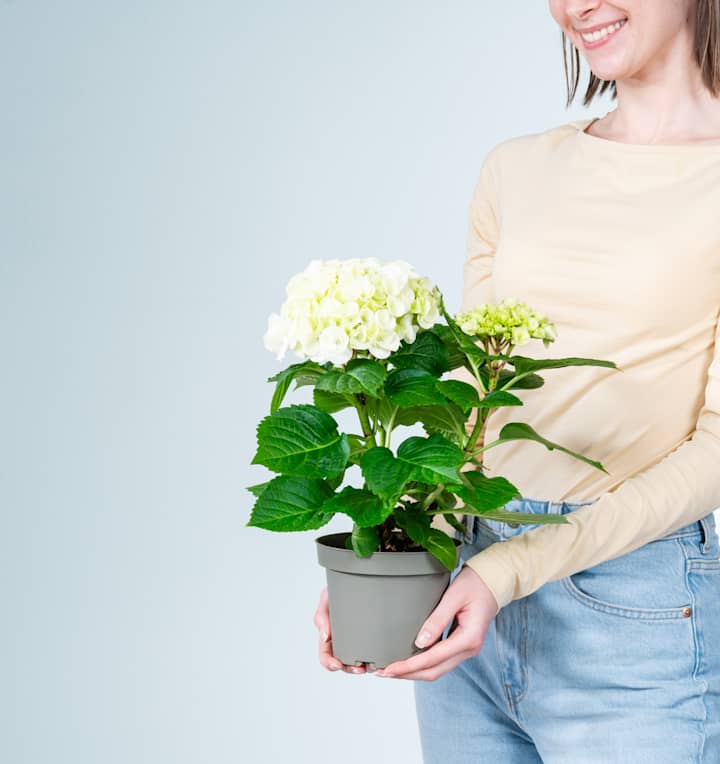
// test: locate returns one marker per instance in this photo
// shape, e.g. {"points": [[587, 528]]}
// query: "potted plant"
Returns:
{"points": [[376, 341]]}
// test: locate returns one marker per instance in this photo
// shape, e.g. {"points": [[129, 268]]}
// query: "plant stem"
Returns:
{"points": [[364, 420], [432, 496]]}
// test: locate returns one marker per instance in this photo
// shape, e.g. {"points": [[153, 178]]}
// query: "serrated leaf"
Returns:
{"points": [[447, 420], [486, 493], [433, 460], [301, 440], [364, 507], [361, 375], [305, 373], [331, 403], [291, 503], [428, 352], [522, 431], [385, 475], [464, 395], [413, 387], [258, 488], [456, 357]]}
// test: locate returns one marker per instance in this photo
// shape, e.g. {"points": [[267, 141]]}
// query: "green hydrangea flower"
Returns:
{"points": [[509, 322]]}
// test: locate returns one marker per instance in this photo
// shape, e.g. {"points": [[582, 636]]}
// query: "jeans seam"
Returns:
{"points": [[697, 651]]}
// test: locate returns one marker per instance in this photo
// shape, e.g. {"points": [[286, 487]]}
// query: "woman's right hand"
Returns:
{"points": [[322, 622]]}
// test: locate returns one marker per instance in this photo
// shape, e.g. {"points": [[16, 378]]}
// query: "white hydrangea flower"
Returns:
{"points": [[336, 307]]}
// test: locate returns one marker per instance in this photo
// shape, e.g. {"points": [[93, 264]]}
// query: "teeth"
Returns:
{"points": [[604, 32]]}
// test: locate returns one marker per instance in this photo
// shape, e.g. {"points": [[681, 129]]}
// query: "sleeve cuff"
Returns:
{"points": [[495, 572]]}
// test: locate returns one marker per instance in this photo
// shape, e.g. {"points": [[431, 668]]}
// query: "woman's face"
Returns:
{"points": [[637, 34]]}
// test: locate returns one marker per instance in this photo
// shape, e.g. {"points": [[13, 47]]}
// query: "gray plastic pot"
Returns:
{"points": [[378, 603]]}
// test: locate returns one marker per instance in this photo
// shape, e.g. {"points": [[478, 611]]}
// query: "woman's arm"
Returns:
{"points": [[681, 488]]}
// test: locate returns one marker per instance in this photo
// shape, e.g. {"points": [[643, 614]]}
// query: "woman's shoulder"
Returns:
{"points": [[530, 145]]}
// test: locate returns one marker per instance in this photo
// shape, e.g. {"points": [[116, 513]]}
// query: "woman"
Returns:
{"points": [[598, 640]]}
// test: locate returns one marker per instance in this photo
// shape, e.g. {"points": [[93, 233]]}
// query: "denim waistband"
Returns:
{"points": [[545, 507]]}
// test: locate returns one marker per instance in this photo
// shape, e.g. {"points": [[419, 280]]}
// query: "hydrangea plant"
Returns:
{"points": [[376, 338]]}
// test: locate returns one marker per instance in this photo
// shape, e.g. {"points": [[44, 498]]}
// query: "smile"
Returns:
{"points": [[599, 36]]}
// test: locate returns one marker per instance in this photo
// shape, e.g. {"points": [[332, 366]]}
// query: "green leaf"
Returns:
{"points": [[290, 503], [456, 357], [498, 398], [361, 375], [364, 540], [447, 420], [523, 364], [331, 403], [413, 387], [416, 525], [433, 460], [305, 373], [523, 518], [522, 431], [363, 507], [464, 395], [384, 474], [427, 352], [452, 520], [257, 489], [357, 448], [486, 493], [301, 440], [530, 382]]}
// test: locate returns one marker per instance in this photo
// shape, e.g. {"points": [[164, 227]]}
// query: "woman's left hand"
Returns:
{"points": [[474, 606]]}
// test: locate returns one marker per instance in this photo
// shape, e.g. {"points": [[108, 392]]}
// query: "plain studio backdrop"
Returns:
{"points": [[165, 168]]}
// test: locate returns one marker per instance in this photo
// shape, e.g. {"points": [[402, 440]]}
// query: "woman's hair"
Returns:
{"points": [[706, 52]]}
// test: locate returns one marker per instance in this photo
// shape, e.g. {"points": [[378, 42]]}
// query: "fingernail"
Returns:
{"points": [[324, 636], [356, 669], [423, 638], [333, 667]]}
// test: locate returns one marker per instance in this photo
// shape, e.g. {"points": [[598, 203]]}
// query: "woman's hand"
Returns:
{"points": [[474, 606], [322, 622]]}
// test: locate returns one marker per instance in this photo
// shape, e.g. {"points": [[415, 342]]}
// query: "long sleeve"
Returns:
{"points": [[681, 488], [618, 245], [482, 235]]}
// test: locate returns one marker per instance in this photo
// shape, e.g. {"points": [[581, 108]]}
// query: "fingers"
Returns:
{"points": [[434, 672], [321, 620], [458, 645]]}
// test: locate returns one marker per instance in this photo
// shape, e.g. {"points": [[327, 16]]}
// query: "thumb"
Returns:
{"points": [[437, 620]]}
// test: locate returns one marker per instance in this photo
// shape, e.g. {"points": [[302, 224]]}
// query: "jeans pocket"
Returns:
{"points": [[647, 583]]}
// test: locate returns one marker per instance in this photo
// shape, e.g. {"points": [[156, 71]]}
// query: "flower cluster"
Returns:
{"points": [[509, 321], [335, 307]]}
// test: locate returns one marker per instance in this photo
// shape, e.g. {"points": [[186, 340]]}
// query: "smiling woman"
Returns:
{"points": [[609, 226]]}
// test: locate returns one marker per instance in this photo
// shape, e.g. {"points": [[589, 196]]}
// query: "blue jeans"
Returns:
{"points": [[616, 663]]}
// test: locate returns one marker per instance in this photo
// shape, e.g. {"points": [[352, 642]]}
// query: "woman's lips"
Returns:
{"points": [[590, 44]]}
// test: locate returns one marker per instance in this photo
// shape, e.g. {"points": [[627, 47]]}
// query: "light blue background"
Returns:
{"points": [[165, 168]]}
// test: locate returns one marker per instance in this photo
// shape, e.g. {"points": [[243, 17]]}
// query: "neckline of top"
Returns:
{"points": [[581, 125]]}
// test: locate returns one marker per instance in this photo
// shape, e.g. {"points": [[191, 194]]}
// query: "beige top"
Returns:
{"points": [[619, 245]]}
